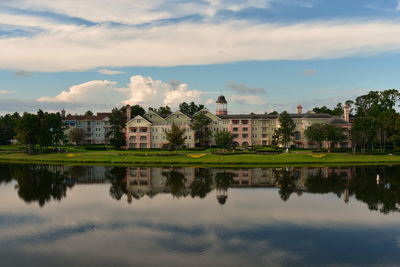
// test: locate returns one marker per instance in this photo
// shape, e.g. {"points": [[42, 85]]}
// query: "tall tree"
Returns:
{"points": [[8, 124], [28, 128], [77, 135], [175, 136], [190, 109], [162, 110], [117, 124], [137, 110], [224, 139], [333, 134], [286, 129], [200, 125], [316, 133], [89, 113]]}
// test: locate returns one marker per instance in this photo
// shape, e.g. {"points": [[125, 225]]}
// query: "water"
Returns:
{"points": [[129, 216]]}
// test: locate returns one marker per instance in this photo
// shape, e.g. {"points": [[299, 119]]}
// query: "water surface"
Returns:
{"points": [[129, 216]]}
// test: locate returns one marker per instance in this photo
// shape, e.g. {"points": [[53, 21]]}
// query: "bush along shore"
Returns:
{"points": [[187, 158]]}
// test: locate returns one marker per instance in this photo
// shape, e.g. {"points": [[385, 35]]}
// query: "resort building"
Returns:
{"points": [[95, 127], [148, 131]]}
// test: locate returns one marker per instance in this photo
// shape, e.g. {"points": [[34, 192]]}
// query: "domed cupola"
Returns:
{"points": [[222, 106]]}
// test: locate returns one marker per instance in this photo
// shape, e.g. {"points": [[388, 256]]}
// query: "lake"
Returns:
{"points": [[132, 216]]}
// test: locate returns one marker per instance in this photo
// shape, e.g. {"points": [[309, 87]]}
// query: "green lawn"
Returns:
{"points": [[197, 158]]}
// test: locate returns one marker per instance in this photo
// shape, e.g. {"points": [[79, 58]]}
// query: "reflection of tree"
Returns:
{"points": [[384, 196], [286, 181], [40, 183], [319, 183], [77, 172], [201, 184], [223, 180], [117, 177], [5, 174], [175, 180]]}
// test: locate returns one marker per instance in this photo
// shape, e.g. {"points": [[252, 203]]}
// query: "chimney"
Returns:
{"points": [[346, 112], [128, 112], [63, 113], [299, 109]]}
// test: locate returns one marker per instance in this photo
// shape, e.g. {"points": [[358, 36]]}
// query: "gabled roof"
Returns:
{"points": [[274, 116], [177, 112], [137, 117]]}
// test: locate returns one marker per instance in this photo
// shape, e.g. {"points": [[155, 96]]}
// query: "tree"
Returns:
{"points": [[77, 135], [89, 113], [28, 128], [336, 111], [117, 124], [200, 125], [137, 110], [162, 110], [333, 134], [224, 139], [286, 129], [316, 133], [175, 136], [8, 124], [190, 109]]}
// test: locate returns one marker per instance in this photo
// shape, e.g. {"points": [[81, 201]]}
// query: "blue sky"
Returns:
{"points": [[263, 55]]}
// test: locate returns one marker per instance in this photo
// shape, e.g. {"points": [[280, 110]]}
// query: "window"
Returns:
{"points": [[297, 136], [177, 116], [245, 129], [138, 121], [245, 135], [235, 136], [235, 129], [143, 138]]}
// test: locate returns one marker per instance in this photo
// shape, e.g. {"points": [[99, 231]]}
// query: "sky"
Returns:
{"points": [[263, 55]]}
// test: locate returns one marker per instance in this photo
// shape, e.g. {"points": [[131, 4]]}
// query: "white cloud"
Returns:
{"points": [[93, 92], [82, 48], [110, 72], [154, 93], [5, 92], [310, 72], [244, 89]]}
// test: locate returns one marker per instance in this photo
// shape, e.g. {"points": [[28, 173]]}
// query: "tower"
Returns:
{"points": [[222, 106], [299, 109], [128, 112], [346, 112]]}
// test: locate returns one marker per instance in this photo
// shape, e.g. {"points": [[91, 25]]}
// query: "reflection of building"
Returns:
{"points": [[148, 131], [152, 181]]}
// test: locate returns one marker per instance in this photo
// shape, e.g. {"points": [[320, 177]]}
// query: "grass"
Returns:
{"points": [[182, 158]]}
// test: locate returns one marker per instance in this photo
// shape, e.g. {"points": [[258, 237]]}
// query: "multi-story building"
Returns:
{"points": [[148, 131], [95, 127]]}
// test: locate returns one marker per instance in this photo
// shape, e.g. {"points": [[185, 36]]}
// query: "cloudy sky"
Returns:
{"points": [[263, 55]]}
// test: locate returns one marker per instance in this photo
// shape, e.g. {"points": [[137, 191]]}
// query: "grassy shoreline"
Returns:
{"points": [[199, 159]]}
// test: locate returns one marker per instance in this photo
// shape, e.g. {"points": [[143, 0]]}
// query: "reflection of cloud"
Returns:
{"points": [[255, 228], [310, 72], [22, 73], [5, 92]]}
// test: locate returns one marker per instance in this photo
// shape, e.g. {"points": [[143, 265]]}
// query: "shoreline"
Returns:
{"points": [[201, 159]]}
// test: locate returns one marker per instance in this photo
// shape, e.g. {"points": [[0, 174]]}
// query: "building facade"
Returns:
{"points": [[95, 127], [148, 131]]}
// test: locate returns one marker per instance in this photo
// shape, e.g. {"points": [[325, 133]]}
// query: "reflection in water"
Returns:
{"points": [[41, 184], [198, 216]]}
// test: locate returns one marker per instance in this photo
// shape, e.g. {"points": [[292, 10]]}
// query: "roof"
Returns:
{"points": [[100, 116], [221, 100], [275, 116], [338, 120]]}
